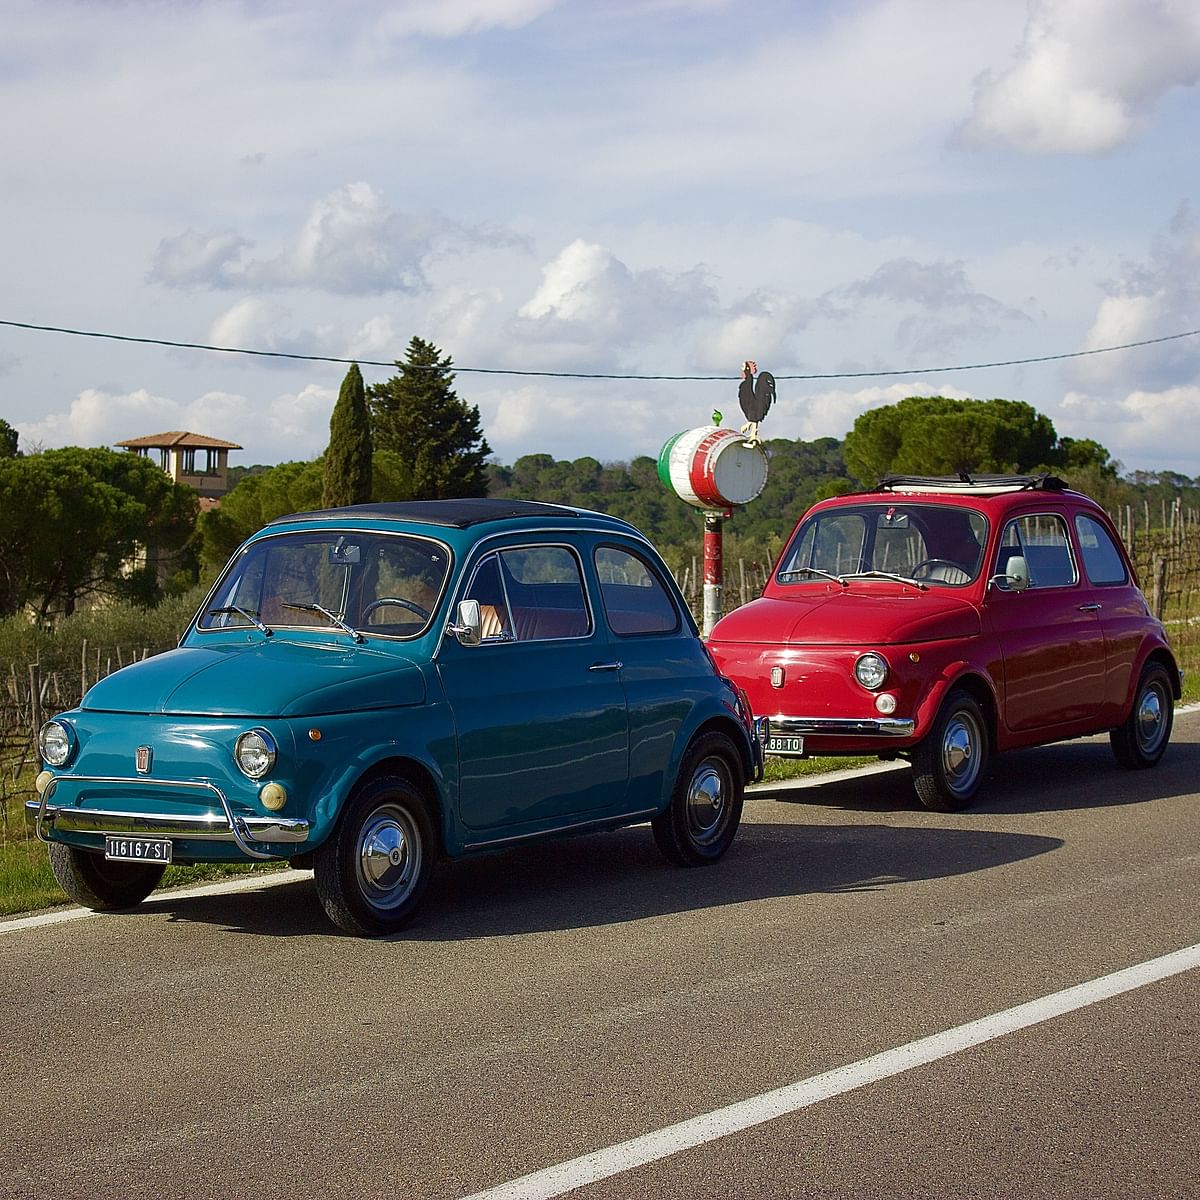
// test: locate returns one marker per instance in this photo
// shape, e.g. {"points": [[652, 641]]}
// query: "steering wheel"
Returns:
{"points": [[399, 601], [928, 564]]}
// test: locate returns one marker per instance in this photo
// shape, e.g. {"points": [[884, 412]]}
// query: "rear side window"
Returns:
{"points": [[1101, 558], [634, 598]]}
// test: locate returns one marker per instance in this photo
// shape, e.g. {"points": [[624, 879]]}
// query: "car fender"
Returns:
{"points": [[353, 746], [707, 713], [954, 674]]}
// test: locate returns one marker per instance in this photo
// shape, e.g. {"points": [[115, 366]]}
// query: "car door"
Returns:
{"points": [[664, 668], [1050, 636], [543, 737]]}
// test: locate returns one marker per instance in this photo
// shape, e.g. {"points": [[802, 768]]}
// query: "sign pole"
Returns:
{"points": [[714, 571]]}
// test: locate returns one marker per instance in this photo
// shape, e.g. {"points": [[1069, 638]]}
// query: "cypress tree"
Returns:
{"points": [[419, 417], [347, 472]]}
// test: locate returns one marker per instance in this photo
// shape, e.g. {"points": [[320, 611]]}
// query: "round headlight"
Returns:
{"points": [[56, 743], [871, 670], [255, 753]]}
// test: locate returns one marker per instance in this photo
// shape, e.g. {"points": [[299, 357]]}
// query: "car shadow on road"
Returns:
{"points": [[606, 879], [1057, 778]]}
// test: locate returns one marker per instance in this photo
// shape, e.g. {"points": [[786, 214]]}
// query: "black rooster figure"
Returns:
{"points": [[755, 397]]}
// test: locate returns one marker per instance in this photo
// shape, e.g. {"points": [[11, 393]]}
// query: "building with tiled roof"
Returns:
{"points": [[196, 461]]}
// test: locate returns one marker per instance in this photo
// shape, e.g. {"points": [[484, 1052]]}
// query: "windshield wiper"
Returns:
{"points": [[811, 571], [886, 575], [252, 617], [331, 617]]}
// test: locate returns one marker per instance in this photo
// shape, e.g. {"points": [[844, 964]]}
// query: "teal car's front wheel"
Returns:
{"points": [[373, 871], [91, 880]]}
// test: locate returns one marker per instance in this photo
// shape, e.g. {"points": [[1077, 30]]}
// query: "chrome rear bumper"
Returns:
{"points": [[222, 826]]}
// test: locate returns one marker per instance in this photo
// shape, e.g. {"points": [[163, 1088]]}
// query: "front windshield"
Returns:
{"points": [[935, 545], [383, 584]]}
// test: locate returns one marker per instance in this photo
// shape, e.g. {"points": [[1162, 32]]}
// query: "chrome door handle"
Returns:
{"points": [[613, 666], [1090, 607]]}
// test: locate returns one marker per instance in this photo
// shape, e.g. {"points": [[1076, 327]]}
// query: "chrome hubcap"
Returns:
{"points": [[389, 857], [960, 752], [1150, 721], [707, 801]]}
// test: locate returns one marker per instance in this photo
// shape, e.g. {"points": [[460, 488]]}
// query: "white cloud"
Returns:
{"points": [[190, 259], [1085, 74], [453, 18], [591, 304], [1145, 424]]}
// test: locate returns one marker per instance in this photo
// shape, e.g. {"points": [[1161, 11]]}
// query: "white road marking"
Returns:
{"points": [[602, 1164], [250, 883]]}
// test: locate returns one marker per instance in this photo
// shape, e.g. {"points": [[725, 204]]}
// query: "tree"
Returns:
{"points": [[9, 438], [72, 520], [419, 417], [347, 470], [935, 435]]}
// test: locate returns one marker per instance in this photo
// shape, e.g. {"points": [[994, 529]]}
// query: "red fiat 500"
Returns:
{"points": [[944, 620]]}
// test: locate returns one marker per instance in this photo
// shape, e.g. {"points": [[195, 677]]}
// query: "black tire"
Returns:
{"points": [[372, 872], [699, 824], [949, 765], [91, 880], [1140, 741]]}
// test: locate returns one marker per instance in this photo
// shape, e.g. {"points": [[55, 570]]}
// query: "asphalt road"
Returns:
{"points": [[559, 1000]]}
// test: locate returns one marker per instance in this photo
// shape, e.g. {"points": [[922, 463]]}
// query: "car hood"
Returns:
{"points": [[852, 616], [272, 677]]}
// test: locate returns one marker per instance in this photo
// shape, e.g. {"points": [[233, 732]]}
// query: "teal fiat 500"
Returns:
{"points": [[368, 689]]}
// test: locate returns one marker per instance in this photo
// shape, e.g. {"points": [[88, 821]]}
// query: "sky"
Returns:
{"points": [[865, 189]]}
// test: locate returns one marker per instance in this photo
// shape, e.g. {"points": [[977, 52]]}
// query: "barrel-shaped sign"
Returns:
{"points": [[713, 468]]}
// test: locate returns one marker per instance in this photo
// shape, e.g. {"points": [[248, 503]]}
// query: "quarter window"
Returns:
{"points": [[1101, 558], [635, 600]]}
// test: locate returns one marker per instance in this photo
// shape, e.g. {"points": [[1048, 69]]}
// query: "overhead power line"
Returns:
{"points": [[367, 362]]}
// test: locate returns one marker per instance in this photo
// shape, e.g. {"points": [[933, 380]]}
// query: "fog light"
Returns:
{"points": [[273, 796], [885, 703], [42, 782]]}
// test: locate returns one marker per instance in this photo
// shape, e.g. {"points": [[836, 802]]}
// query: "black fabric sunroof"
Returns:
{"points": [[460, 514]]}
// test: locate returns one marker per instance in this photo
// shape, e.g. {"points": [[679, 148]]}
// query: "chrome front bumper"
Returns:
{"points": [[844, 726], [222, 826]]}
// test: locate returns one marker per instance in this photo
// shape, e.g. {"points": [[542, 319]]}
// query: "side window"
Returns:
{"points": [[536, 593], [1041, 539], [1101, 558], [635, 600]]}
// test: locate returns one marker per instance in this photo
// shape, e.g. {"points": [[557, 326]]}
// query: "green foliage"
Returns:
{"points": [[347, 472], [418, 416], [71, 519], [288, 488], [935, 435], [9, 438]]}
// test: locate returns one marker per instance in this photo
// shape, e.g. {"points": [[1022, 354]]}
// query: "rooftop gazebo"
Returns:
{"points": [[192, 459]]}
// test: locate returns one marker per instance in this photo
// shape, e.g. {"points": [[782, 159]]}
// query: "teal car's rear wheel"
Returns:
{"points": [[91, 880], [373, 871], [706, 805]]}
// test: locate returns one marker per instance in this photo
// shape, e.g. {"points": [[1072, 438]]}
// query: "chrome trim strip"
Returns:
{"points": [[596, 823], [223, 827], [844, 726]]}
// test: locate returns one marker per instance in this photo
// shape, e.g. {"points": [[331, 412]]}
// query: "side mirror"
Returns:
{"points": [[469, 626], [1016, 574]]}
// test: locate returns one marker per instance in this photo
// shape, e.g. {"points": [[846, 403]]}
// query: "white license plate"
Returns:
{"points": [[137, 849], [785, 744]]}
